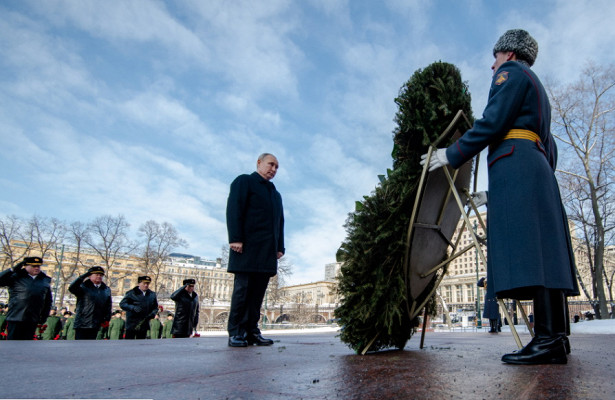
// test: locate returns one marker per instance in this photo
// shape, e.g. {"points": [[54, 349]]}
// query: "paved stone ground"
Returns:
{"points": [[302, 366]]}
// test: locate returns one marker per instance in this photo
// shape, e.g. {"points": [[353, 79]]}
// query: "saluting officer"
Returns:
{"points": [[186, 310], [93, 303], [140, 305], [29, 298]]}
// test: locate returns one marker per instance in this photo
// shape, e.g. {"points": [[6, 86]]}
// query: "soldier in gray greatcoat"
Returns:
{"points": [[528, 240]]}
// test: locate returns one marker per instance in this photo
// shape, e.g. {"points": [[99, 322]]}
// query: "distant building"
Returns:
{"points": [[332, 270], [213, 283], [316, 293]]}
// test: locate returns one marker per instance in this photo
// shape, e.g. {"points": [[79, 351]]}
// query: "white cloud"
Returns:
{"points": [[134, 21]]}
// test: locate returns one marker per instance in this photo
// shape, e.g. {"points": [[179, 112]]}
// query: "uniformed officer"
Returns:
{"points": [[140, 305], [29, 298], [528, 241], [93, 309], [186, 310]]}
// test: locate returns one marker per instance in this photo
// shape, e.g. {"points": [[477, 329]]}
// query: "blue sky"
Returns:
{"points": [[151, 108]]}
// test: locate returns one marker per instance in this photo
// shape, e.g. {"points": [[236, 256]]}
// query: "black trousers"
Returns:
{"points": [[86, 333], [135, 334], [248, 293], [20, 330]]}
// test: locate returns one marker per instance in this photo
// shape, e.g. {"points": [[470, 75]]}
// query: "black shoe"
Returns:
{"points": [[258, 340], [237, 341], [539, 351]]}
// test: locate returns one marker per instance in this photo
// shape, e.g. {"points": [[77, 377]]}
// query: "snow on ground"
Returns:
{"points": [[605, 326]]}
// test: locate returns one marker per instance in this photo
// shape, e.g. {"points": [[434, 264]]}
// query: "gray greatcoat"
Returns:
{"points": [[528, 238]]}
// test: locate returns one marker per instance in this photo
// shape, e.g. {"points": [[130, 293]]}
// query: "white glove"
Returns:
{"points": [[438, 159], [479, 198]]}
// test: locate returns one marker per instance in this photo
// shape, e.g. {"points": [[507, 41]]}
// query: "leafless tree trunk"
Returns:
{"points": [[584, 122], [48, 235], [274, 290], [71, 268], [108, 237], [160, 240], [13, 229]]}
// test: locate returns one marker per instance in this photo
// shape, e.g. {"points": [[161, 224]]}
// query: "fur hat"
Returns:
{"points": [[520, 42]]}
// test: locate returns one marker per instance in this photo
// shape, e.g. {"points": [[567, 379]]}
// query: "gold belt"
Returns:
{"points": [[521, 134]]}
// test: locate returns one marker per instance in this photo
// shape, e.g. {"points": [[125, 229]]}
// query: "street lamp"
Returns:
{"points": [[479, 321]]}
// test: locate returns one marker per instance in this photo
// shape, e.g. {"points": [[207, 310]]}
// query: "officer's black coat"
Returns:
{"points": [[186, 312], [93, 304], [148, 304], [29, 299]]}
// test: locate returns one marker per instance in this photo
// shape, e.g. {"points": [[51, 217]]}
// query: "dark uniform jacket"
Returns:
{"points": [[29, 299], [139, 308], [255, 217], [186, 312], [93, 304], [528, 240], [491, 307]]}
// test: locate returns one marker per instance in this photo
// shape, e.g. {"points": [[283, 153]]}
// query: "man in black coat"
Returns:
{"points": [[93, 303], [186, 310], [29, 298], [255, 223], [140, 305]]}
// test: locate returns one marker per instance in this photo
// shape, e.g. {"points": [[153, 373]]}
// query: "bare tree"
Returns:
{"points": [[274, 290], [108, 237], [12, 230], [584, 121], [47, 233], [74, 237], [160, 240]]}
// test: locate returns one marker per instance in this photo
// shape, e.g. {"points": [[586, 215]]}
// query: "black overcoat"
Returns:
{"points": [[186, 312], [29, 299], [255, 217], [139, 308], [93, 304]]}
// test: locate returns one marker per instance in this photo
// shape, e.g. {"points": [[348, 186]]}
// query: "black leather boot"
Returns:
{"points": [[257, 339], [237, 341], [547, 346]]}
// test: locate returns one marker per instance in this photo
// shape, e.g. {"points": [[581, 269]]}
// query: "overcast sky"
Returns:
{"points": [[150, 109]]}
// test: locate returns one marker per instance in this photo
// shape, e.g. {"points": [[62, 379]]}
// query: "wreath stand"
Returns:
{"points": [[439, 203]]}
